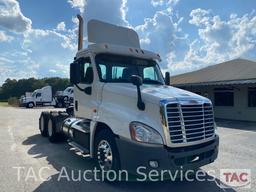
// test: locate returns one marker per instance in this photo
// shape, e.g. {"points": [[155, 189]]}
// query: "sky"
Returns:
{"points": [[39, 38]]}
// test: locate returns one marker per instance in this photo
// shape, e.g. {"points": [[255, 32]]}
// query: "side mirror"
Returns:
{"points": [[136, 80], [75, 76], [167, 78]]}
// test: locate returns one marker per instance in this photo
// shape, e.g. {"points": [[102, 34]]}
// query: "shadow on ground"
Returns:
{"points": [[232, 124], [60, 155]]}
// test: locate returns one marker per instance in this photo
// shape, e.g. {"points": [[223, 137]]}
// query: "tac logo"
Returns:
{"points": [[235, 178]]}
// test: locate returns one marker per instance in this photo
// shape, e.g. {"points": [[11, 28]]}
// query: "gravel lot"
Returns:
{"points": [[22, 146]]}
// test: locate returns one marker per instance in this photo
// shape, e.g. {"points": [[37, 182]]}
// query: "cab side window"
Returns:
{"points": [[86, 71], [38, 95]]}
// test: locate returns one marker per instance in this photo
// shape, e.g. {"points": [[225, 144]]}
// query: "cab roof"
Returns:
{"points": [[108, 38], [119, 50]]}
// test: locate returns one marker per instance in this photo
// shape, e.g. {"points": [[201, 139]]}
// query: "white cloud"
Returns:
{"points": [[53, 71], [4, 60], [78, 4], [156, 3], [200, 17], [219, 40], [67, 40], [19, 66], [12, 18], [162, 34], [61, 26], [124, 10], [49, 49], [112, 11], [5, 37]]}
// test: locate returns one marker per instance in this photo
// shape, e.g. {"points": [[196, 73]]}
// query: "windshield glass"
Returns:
{"points": [[119, 69], [34, 94]]}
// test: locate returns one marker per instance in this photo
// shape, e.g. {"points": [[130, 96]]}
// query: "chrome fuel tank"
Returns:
{"points": [[74, 124]]}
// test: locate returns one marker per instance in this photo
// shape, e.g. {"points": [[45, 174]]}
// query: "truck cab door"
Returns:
{"points": [[39, 98], [84, 91]]}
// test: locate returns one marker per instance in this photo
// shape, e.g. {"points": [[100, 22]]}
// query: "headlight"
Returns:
{"points": [[143, 133]]}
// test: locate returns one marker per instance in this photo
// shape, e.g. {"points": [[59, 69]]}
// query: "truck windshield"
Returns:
{"points": [[34, 94], [119, 69]]}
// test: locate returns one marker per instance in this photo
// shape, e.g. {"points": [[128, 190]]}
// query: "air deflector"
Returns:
{"points": [[101, 32]]}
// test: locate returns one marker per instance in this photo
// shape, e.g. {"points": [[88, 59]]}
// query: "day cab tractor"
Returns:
{"points": [[125, 112]]}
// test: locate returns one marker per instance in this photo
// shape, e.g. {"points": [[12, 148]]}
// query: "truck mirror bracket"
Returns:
{"points": [[167, 78], [140, 103], [137, 81]]}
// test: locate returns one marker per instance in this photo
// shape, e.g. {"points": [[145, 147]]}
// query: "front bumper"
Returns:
{"points": [[133, 155], [22, 104]]}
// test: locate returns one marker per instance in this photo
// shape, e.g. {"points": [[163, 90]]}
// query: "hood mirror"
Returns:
{"points": [[137, 81]]}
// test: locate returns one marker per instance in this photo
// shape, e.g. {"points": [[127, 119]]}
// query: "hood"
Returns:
{"points": [[29, 98], [153, 93]]}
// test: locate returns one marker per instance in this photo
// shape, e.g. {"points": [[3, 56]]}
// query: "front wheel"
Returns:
{"points": [[59, 105], [30, 105], [106, 152]]}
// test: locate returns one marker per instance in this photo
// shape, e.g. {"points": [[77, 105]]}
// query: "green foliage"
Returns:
{"points": [[16, 88], [13, 101]]}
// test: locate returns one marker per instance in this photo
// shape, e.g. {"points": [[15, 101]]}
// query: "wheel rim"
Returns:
{"points": [[50, 131], [30, 104], [105, 155], [42, 124]]}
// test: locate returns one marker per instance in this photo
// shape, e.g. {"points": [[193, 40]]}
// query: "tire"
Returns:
{"points": [[43, 123], [51, 130], [59, 104], [106, 137], [54, 123], [30, 105]]}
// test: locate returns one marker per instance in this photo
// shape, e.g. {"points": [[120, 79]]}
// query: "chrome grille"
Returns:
{"points": [[189, 123]]}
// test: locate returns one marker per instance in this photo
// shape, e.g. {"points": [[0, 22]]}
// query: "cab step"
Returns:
{"points": [[79, 148]]}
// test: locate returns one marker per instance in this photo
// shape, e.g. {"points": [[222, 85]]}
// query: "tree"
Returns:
{"points": [[14, 88]]}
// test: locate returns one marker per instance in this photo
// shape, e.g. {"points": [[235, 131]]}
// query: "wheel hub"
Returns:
{"points": [[104, 155]]}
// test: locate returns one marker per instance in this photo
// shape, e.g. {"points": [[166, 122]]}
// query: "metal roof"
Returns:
{"points": [[238, 71]]}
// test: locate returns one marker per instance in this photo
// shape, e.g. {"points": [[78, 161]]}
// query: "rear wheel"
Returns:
{"points": [[43, 123], [54, 126], [52, 132]]}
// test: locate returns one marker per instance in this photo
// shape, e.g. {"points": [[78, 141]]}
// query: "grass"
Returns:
{"points": [[4, 104]]}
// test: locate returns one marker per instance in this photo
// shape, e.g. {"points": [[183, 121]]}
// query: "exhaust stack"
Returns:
{"points": [[80, 32]]}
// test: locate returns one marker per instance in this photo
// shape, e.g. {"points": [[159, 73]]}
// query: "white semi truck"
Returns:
{"points": [[64, 98], [125, 112], [40, 97]]}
